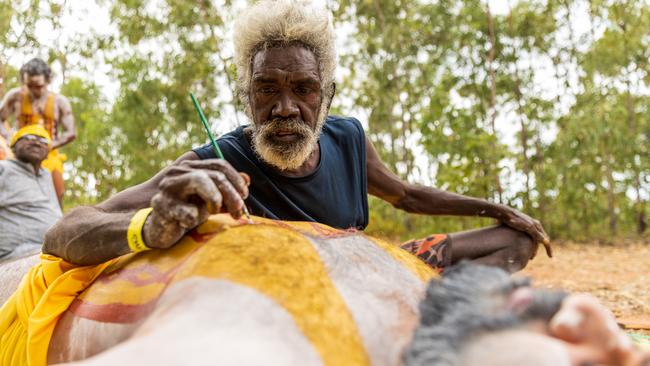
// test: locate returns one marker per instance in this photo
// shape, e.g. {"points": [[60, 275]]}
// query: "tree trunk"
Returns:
{"points": [[493, 92], [611, 198], [608, 161], [540, 178], [391, 122], [632, 126], [524, 128], [641, 223]]}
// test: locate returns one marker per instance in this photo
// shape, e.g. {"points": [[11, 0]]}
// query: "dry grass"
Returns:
{"points": [[618, 275]]}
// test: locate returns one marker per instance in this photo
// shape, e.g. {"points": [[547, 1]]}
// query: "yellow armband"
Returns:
{"points": [[134, 234]]}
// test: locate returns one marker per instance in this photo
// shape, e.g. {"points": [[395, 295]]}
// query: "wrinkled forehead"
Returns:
{"points": [[285, 59], [34, 80]]}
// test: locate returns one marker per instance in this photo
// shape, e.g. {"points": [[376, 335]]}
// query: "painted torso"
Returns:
{"points": [[44, 110], [273, 292]]}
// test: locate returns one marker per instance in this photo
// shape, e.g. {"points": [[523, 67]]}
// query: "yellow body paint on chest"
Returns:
{"points": [[287, 268]]}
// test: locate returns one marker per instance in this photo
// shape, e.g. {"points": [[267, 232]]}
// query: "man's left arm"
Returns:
{"points": [[419, 199], [66, 119]]}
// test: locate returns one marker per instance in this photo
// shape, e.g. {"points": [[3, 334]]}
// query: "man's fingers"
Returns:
{"points": [[211, 186], [539, 226], [522, 222], [199, 183], [583, 319], [222, 166], [232, 200], [549, 249], [246, 178], [186, 214], [544, 239]]}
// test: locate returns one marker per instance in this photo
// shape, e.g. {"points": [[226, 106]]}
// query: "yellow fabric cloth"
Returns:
{"points": [[36, 130], [54, 161], [28, 318]]}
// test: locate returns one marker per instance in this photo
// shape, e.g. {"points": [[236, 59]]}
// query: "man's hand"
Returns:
{"points": [[522, 222], [188, 194], [593, 333]]}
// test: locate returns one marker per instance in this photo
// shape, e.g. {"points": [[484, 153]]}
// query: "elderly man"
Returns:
{"points": [[303, 164], [28, 203], [34, 104]]}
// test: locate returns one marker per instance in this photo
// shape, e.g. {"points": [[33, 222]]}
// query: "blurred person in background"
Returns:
{"points": [[28, 202], [33, 104]]}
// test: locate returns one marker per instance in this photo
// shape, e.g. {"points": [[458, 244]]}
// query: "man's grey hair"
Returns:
{"points": [[468, 302], [273, 23]]}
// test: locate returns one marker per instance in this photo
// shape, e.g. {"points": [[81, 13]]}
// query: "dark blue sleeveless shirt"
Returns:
{"points": [[336, 193]]}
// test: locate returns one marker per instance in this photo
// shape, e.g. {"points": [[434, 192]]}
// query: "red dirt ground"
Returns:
{"points": [[618, 275]]}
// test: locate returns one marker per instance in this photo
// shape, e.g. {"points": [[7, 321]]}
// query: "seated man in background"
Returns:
{"points": [[28, 202], [478, 315], [33, 104]]}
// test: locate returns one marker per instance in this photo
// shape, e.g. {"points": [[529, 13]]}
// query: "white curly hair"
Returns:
{"points": [[273, 23]]}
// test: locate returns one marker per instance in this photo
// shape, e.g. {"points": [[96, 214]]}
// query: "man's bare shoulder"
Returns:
{"points": [[14, 94], [61, 101], [60, 98]]}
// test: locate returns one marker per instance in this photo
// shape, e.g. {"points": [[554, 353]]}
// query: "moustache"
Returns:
{"points": [[285, 125]]}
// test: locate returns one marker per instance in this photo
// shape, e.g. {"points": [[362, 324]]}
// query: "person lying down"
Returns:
{"points": [[293, 293], [478, 315]]}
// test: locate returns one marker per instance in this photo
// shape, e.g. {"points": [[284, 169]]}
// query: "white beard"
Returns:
{"points": [[286, 155]]}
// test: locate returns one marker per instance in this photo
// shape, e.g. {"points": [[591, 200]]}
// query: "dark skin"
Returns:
{"points": [[36, 87], [285, 83], [31, 150]]}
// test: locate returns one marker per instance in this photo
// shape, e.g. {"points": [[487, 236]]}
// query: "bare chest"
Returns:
{"points": [[38, 107]]}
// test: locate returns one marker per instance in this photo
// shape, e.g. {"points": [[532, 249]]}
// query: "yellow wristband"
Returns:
{"points": [[134, 234]]}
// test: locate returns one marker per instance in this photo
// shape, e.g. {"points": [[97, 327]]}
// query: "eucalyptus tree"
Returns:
{"points": [[173, 47]]}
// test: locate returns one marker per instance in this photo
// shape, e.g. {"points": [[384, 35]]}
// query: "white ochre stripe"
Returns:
{"points": [[414, 264], [287, 268], [381, 292]]}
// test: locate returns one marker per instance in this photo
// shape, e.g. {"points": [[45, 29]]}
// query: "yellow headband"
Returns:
{"points": [[36, 130]]}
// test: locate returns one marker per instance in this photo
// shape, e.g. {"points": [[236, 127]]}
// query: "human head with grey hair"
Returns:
{"points": [[297, 38], [478, 315]]}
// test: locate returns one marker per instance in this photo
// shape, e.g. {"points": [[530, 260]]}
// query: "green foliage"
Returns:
{"points": [[448, 83]]}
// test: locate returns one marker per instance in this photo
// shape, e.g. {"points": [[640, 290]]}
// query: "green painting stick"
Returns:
{"points": [[213, 142]]}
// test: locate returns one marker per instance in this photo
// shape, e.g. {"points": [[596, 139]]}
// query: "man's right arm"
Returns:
{"points": [[6, 110], [182, 196]]}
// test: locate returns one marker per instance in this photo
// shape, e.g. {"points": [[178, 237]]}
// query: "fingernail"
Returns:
{"points": [[569, 318]]}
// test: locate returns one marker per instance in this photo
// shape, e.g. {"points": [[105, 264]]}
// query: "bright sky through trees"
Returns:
{"points": [[539, 104]]}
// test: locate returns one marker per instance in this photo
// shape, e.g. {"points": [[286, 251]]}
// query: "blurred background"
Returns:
{"points": [[542, 105]]}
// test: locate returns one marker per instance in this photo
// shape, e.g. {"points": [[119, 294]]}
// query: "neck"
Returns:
{"points": [[35, 165], [33, 98]]}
